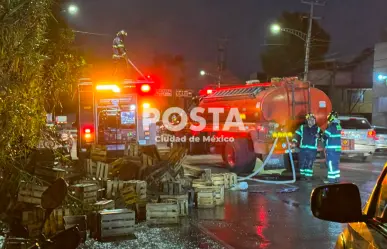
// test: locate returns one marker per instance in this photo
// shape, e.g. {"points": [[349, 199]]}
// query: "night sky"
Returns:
{"points": [[192, 27]]}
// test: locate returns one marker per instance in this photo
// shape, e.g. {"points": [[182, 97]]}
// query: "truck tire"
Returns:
{"points": [[239, 156]]}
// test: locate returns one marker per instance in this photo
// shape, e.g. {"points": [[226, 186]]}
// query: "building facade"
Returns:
{"points": [[379, 110]]}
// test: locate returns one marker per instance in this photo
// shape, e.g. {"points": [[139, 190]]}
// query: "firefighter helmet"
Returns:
{"points": [[332, 116], [310, 116], [122, 33]]}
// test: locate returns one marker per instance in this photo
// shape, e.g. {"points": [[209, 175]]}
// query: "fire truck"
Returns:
{"points": [[113, 115], [268, 111]]}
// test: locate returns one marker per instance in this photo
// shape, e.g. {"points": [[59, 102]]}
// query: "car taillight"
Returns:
{"points": [[371, 134]]}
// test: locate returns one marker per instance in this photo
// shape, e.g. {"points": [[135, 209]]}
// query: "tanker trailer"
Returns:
{"points": [[267, 111]]}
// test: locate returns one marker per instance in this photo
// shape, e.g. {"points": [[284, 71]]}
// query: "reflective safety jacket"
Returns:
{"points": [[332, 136], [307, 136], [118, 48]]}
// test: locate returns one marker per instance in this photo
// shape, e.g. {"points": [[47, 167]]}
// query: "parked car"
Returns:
{"points": [[341, 203], [357, 137], [381, 138]]}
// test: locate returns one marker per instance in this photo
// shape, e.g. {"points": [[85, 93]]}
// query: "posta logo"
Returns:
{"points": [[154, 115]]}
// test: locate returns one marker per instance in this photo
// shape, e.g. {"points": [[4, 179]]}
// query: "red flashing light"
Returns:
{"points": [[145, 88], [209, 91], [342, 133], [371, 134]]}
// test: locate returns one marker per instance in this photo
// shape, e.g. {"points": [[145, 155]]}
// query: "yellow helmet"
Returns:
{"points": [[122, 33], [309, 116]]}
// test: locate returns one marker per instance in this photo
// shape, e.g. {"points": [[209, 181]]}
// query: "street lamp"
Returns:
{"points": [[275, 29], [204, 73]]}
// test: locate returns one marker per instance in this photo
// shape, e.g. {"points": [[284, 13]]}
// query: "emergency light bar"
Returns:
{"points": [[113, 88]]}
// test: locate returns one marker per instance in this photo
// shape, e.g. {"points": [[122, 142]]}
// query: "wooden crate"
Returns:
{"points": [[77, 220], [87, 193], [16, 243], [129, 195], [50, 173], [115, 223], [200, 183], [133, 149], [104, 205], [113, 188], [180, 200], [140, 208], [54, 223], [209, 196], [162, 213], [98, 153], [30, 193], [172, 188], [220, 180], [33, 216], [91, 168], [232, 179], [102, 172]]}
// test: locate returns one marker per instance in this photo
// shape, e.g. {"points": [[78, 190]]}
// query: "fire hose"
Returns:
{"points": [[249, 177]]}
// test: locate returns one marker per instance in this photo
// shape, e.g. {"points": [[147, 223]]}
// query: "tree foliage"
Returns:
{"points": [[285, 52], [37, 64]]}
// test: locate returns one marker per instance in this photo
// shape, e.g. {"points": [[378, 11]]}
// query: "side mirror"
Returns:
{"points": [[338, 202]]}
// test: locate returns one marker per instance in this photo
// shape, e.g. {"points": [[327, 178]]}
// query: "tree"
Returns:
{"points": [[287, 53], [37, 64]]}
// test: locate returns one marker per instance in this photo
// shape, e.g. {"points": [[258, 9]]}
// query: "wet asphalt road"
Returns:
{"points": [[260, 217], [263, 218]]}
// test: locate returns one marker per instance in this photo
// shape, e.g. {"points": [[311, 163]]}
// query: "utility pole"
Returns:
{"points": [[222, 55], [312, 3]]}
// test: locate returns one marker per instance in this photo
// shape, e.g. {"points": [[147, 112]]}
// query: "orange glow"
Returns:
{"points": [[145, 88], [146, 105], [209, 91], [87, 131], [113, 88], [88, 136]]}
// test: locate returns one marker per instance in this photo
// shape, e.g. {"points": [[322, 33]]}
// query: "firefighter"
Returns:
{"points": [[119, 55], [307, 137], [332, 138]]}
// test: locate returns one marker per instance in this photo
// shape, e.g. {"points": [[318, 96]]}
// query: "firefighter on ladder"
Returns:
{"points": [[332, 138], [119, 55], [307, 136]]}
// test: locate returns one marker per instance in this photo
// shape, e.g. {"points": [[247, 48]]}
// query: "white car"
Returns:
{"points": [[357, 137], [381, 138]]}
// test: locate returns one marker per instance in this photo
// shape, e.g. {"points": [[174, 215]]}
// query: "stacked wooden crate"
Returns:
{"points": [[87, 193], [162, 213], [30, 193], [33, 219], [77, 220], [98, 153], [104, 205], [113, 187], [115, 223], [91, 168], [224, 179], [180, 200], [209, 196], [54, 223]]}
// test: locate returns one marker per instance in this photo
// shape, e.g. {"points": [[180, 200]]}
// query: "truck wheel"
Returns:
{"points": [[239, 156]]}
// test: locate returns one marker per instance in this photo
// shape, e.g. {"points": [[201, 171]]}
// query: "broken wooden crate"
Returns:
{"points": [[104, 205], [91, 168], [30, 193], [115, 223], [77, 220], [209, 196], [87, 193], [113, 188], [224, 179], [172, 188], [180, 200], [102, 172], [162, 213]]}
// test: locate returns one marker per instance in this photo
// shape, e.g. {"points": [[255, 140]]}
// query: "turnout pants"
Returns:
{"points": [[306, 158], [332, 161]]}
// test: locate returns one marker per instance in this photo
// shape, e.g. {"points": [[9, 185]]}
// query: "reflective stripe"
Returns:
{"points": [[308, 147], [294, 140], [120, 45], [334, 172], [299, 133], [328, 133], [335, 135], [333, 147]]}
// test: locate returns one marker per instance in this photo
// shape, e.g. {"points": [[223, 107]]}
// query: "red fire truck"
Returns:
{"points": [[268, 111], [112, 115]]}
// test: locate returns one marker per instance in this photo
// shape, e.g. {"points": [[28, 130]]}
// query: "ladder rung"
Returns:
{"points": [[301, 103]]}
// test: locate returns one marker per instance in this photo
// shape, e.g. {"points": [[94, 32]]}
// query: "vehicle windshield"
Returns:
{"points": [[355, 123]]}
